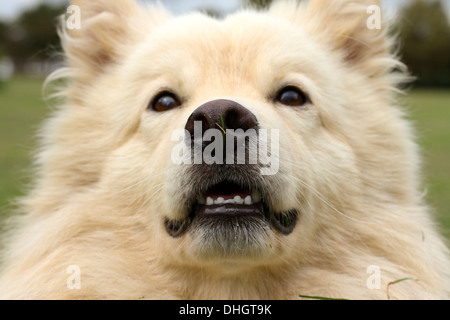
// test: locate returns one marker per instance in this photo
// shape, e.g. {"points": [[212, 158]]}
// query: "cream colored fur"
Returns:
{"points": [[349, 163]]}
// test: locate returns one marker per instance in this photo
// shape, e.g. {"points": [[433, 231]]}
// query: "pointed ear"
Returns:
{"points": [[352, 27], [348, 26], [106, 32]]}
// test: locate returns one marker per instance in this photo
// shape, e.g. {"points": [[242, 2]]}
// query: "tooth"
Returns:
{"points": [[231, 201], [209, 201], [256, 196], [201, 199], [219, 200], [248, 200], [238, 200]]}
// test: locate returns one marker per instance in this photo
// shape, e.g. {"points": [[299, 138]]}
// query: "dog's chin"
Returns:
{"points": [[229, 232], [231, 221]]}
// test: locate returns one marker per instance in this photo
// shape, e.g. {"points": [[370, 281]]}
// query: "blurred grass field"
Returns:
{"points": [[22, 109]]}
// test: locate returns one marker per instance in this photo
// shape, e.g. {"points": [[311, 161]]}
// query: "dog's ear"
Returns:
{"points": [[352, 27], [105, 32]]}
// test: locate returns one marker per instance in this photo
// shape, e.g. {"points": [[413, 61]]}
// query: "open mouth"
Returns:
{"points": [[228, 198], [228, 204]]}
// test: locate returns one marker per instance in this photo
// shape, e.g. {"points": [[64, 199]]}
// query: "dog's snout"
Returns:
{"points": [[222, 114]]}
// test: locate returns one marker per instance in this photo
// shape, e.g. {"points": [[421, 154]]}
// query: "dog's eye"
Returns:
{"points": [[292, 96], [165, 101]]}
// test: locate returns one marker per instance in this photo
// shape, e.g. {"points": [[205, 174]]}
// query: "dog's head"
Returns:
{"points": [[235, 140]]}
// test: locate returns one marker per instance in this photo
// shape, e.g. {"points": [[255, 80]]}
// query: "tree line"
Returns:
{"points": [[422, 28]]}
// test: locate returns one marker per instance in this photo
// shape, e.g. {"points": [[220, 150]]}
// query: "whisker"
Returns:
{"points": [[139, 182], [158, 189], [322, 198]]}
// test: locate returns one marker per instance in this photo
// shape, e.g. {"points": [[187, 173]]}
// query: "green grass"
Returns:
{"points": [[22, 109], [430, 109], [387, 291]]}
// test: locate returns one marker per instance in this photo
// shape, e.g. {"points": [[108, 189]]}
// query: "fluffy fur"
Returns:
{"points": [[348, 162]]}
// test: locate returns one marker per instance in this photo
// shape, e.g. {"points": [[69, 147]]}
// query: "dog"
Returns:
{"points": [[259, 156]]}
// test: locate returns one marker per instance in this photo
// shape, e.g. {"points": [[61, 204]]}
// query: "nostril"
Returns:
{"points": [[240, 118], [197, 117], [233, 119]]}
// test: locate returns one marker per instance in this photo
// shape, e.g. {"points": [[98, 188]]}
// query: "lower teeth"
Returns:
{"points": [[248, 200]]}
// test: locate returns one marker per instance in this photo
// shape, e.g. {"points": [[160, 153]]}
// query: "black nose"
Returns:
{"points": [[222, 114]]}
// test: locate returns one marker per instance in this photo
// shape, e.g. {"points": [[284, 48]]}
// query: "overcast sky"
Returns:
{"points": [[11, 8]]}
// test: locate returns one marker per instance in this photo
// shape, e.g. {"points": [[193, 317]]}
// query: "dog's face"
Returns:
{"points": [[307, 80]]}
